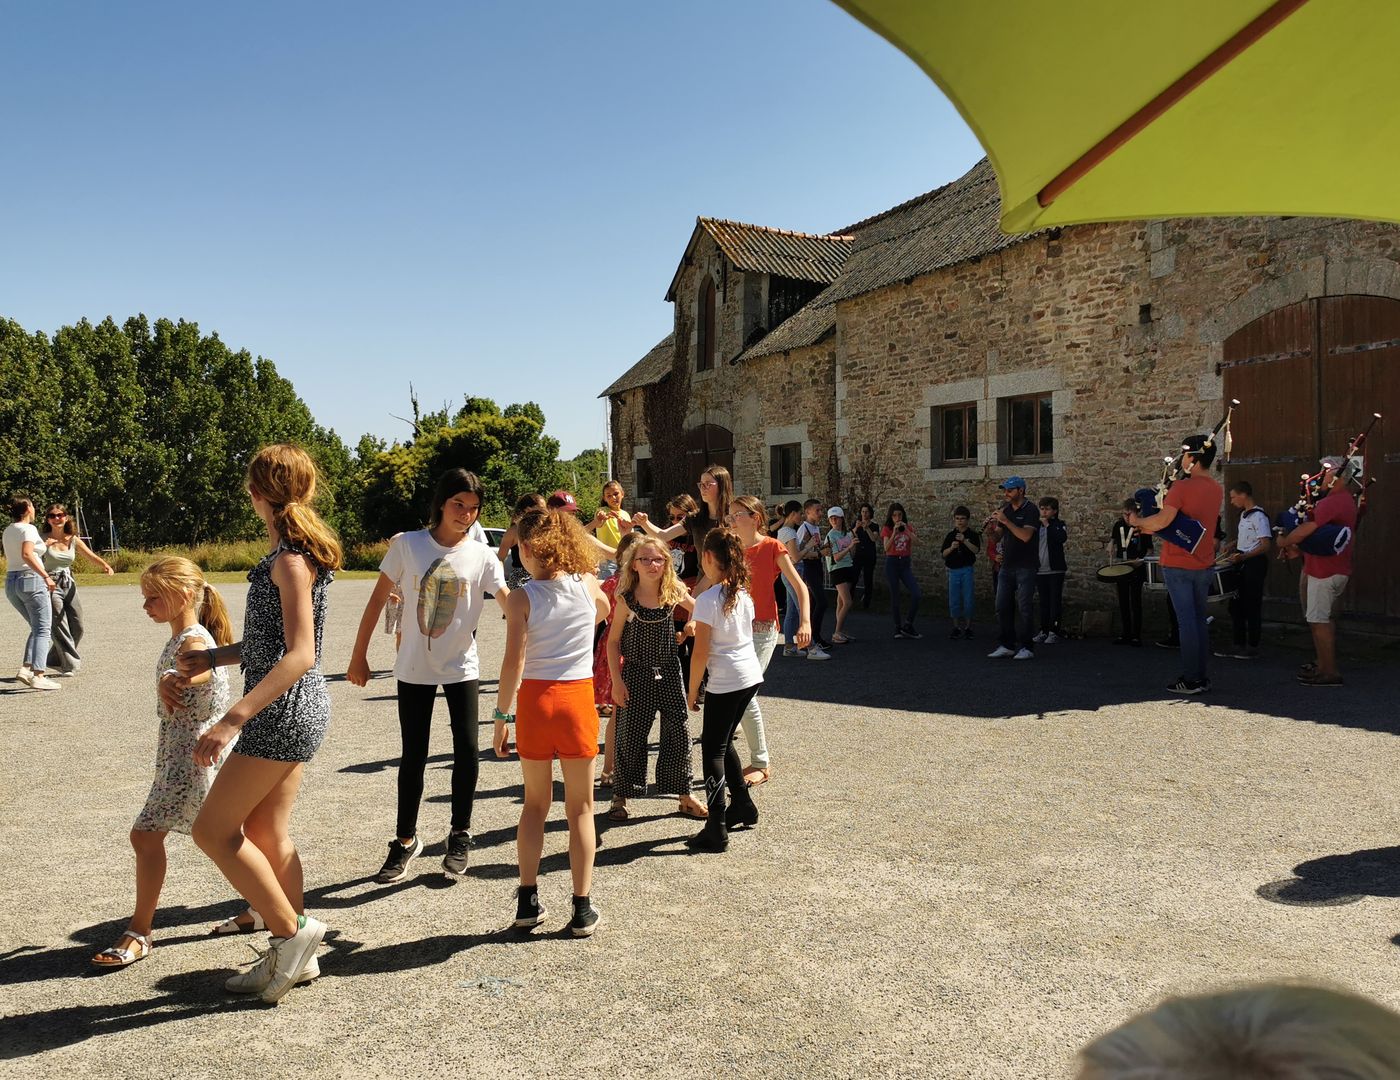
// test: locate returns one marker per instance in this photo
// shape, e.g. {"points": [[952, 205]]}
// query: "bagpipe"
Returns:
{"points": [[1184, 532], [1328, 539]]}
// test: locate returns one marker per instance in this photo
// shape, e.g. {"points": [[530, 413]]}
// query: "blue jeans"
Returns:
{"points": [[1188, 590], [1015, 588], [30, 596], [792, 615], [899, 570], [960, 593]]}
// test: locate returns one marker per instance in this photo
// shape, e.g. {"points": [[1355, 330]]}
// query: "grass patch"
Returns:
{"points": [[214, 577], [220, 562]]}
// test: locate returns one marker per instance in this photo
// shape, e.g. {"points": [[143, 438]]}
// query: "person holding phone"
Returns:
{"points": [[897, 537]]}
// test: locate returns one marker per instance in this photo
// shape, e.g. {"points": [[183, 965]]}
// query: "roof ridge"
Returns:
{"points": [[774, 229], [907, 203]]}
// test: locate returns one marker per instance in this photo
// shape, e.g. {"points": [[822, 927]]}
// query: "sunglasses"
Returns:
{"points": [[56, 517]]}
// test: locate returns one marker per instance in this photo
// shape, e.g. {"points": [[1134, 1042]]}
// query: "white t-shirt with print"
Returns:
{"points": [[444, 591], [733, 664]]}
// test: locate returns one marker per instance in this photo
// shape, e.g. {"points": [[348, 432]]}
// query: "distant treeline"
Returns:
{"points": [[160, 422]]}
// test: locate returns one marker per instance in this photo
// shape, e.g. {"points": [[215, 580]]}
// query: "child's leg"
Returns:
{"points": [[733, 770], [267, 827], [529, 835], [911, 584], [150, 877], [578, 807], [1057, 601], [610, 743], [415, 722], [632, 727], [462, 710], [239, 790], [1042, 588], [843, 604], [892, 578], [764, 644]]}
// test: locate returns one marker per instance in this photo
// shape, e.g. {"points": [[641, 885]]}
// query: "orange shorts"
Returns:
{"points": [[556, 719]]}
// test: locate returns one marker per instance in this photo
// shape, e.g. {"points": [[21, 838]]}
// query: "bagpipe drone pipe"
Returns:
{"points": [[1185, 532], [1328, 539]]}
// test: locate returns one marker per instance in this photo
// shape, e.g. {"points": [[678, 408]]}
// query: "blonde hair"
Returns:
{"points": [[671, 590], [174, 578], [1278, 1031], [728, 550], [285, 476], [557, 542]]}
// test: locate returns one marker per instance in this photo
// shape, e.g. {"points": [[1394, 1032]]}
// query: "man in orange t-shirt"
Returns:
{"points": [[1187, 574]]}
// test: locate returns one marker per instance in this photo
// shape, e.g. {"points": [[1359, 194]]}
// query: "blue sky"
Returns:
{"points": [[479, 198]]}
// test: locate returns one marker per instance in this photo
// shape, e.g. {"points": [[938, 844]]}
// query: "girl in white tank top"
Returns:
{"points": [[546, 686]]}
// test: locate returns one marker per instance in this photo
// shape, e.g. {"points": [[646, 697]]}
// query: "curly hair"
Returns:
{"points": [[727, 550], [557, 542]]}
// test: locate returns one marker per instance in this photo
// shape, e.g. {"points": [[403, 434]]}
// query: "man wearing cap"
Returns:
{"points": [[1188, 574], [1020, 547], [1325, 577]]}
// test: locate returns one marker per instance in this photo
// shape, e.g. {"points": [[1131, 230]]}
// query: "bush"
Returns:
{"points": [[235, 557]]}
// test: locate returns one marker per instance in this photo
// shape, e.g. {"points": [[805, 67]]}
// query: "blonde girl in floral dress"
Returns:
{"points": [[175, 593]]}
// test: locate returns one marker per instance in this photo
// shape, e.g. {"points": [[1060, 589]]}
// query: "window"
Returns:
{"points": [[786, 474], [955, 434], [645, 484], [1030, 428], [705, 327]]}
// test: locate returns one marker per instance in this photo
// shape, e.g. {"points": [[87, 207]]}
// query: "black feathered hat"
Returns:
{"points": [[1201, 447]]}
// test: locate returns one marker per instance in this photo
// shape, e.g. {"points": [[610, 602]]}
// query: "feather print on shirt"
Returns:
{"points": [[437, 600]]}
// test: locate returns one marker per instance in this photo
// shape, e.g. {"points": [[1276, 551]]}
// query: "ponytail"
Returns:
{"points": [[300, 527], [727, 549], [213, 616], [285, 476]]}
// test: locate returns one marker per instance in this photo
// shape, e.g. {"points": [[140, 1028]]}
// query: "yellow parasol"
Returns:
{"points": [[1110, 110]]}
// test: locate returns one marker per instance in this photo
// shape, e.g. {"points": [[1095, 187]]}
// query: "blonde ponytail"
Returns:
{"points": [[213, 616], [285, 476]]}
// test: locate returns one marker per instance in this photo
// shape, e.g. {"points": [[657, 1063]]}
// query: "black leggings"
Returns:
{"points": [[415, 720], [1052, 590], [1247, 608], [721, 761]]}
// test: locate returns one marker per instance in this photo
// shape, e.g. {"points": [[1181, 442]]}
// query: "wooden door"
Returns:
{"points": [[1308, 377]]}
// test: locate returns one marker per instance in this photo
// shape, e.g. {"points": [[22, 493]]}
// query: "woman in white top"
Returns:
{"points": [[27, 587], [723, 624], [549, 666]]}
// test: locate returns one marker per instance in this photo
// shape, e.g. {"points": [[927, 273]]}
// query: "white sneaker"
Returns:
{"points": [[40, 681], [256, 978], [1052, 638], [290, 957], [1000, 652], [816, 652], [24, 674], [1024, 654], [1039, 638]]}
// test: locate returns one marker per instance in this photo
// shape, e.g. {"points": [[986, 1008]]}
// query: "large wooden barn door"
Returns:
{"points": [[1308, 377]]}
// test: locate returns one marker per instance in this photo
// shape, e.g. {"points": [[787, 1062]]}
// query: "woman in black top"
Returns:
{"points": [[867, 546]]}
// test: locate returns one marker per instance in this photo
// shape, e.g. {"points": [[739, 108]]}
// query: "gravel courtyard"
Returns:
{"points": [[965, 868]]}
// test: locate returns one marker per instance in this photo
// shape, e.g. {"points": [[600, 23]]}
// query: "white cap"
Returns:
{"points": [[836, 511]]}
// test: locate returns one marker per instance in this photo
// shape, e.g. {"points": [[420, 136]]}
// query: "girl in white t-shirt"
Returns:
{"points": [[723, 624], [444, 577], [547, 675]]}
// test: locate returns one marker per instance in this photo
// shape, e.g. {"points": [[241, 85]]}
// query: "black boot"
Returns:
{"points": [[741, 815]]}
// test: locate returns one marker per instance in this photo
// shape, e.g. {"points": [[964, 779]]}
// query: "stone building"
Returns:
{"points": [[922, 355]]}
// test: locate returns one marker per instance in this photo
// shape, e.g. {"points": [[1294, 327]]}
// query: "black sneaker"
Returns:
{"points": [[1184, 685], [528, 909], [585, 919], [454, 863], [1167, 643], [967, 632], [956, 635], [396, 865], [910, 632]]}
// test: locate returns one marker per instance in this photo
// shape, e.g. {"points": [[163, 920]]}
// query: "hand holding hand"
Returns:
{"points": [[357, 674], [640, 518], [195, 662]]}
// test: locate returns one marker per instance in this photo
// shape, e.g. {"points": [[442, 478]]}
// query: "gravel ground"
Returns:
{"points": [[965, 868]]}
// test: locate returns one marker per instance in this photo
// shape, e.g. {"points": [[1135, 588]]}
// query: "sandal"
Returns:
{"points": [[233, 926], [692, 808], [754, 776], [606, 779], [116, 957], [618, 812]]}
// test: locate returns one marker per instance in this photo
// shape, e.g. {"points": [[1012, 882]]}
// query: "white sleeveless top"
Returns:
{"points": [[559, 634]]}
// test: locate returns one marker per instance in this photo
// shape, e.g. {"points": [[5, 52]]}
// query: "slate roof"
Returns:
{"points": [[647, 371], [941, 228], [802, 256]]}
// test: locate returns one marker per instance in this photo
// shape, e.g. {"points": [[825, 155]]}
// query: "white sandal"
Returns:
{"points": [[120, 958], [233, 926]]}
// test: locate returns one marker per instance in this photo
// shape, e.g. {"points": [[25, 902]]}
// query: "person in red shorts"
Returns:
{"points": [[1325, 577], [547, 674], [1188, 573]]}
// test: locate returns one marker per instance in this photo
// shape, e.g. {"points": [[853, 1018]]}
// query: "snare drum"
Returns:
{"points": [[1116, 571], [1224, 583]]}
